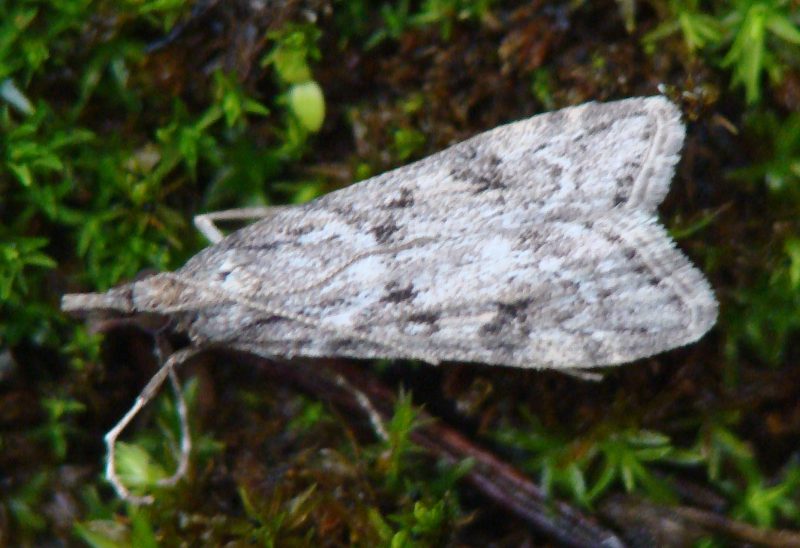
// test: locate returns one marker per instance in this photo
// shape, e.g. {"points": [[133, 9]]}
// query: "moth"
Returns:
{"points": [[534, 244]]}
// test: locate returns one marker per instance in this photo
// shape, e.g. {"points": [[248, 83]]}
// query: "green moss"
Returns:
{"points": [[586, 466], [756, 37]]}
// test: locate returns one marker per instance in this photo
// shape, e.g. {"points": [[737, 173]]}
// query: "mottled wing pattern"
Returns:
{"points": [[533, 244]]}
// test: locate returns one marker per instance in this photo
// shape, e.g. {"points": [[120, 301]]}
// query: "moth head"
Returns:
{"points": [[114, 302], [154, 294]]}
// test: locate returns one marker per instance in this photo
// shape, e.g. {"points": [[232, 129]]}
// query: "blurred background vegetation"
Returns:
{"points": [[121, 120]]}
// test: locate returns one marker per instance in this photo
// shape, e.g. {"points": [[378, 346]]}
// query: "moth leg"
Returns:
{"points": [[364, 402], [144, 397], [186, 436], [205, 222], [582, 375]]}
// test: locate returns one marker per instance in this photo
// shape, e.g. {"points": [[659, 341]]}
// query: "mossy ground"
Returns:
{"points": [[121, 120]]}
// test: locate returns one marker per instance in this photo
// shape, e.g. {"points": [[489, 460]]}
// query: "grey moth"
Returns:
{"points": [[534, 244]]}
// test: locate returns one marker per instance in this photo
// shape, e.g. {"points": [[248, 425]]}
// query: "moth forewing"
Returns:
{"points": [[483, 252], [534, 244]]}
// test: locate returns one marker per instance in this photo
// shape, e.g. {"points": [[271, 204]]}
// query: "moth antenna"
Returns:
{"points": [[206, 222], [145, 396]]}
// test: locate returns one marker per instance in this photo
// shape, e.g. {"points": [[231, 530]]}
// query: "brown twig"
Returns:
{"points": [[511, 489], [657, 525], [497, 480]]}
